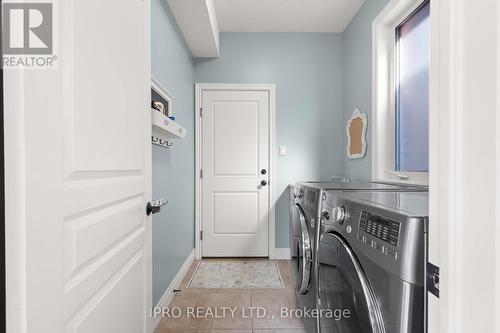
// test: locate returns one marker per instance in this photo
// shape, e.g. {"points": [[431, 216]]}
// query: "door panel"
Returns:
{"points": [[235, 147], [84, 240], [236, 138], [125, 288], [236, 213], [92, 234], [99, 55]]}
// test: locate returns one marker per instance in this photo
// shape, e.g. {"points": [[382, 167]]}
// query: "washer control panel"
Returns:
{"points": [[380, 227]]}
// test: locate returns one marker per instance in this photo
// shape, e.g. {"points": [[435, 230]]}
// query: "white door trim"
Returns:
{"points": [[271, 88], [463, 165], [15, 201]]}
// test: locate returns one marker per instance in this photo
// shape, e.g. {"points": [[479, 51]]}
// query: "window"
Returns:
{"points": [[412, 92], [400, 125]]}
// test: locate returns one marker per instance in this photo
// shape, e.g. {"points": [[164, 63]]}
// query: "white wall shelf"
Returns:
{"points": [[164, 129]]}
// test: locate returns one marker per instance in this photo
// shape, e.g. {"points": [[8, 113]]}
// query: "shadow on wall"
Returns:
{"points": [[283, 211]]}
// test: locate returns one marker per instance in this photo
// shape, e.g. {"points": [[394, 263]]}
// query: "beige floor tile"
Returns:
{"points": [[234, 319], [286, 273], [204, 310], [273, 302], [283, 330], [230, 331]]}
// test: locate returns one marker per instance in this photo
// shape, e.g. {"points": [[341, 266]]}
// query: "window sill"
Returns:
{"points": [[405, 178]]}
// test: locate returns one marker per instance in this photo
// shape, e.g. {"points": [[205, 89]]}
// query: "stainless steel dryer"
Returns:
{"points": [[304, 215], [304, 236], [371, 262]]}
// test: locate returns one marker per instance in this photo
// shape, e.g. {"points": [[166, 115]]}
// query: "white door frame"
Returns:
{"points": [[464, 230], [15, 202], [271, 88]]}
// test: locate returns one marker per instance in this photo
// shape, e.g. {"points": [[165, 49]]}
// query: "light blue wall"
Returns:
{"points": [[358, 79], [319, 78], [307, 71], [173, 170]]}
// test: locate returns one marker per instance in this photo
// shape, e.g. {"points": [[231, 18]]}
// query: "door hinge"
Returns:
{"points": [[201, 234], [201, 112], [433, 279], [201, 173]]}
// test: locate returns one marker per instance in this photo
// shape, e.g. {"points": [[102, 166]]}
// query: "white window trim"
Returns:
{"points": [[383, 94]]}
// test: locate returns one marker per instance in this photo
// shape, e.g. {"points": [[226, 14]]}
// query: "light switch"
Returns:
{"points": [[283, 150]]}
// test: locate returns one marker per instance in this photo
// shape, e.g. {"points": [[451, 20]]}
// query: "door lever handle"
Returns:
{"points": [[263, 183]]}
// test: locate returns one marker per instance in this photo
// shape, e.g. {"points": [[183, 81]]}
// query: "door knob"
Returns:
{"points": [[152, 209], [263, 183], [263, 171]]}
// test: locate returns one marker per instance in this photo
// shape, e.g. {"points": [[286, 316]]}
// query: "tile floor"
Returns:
{"points": [[240, 301]]}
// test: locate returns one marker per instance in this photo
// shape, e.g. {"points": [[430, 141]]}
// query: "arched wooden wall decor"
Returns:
{"points": [[356, 135]]}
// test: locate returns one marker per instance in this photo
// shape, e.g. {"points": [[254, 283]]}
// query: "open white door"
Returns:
{"points": [[465, 165], [78, 166]]}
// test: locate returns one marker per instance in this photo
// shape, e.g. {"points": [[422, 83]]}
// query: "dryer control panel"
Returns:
{"points": [[380, 227]]}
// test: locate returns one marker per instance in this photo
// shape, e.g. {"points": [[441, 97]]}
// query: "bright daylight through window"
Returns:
{"points": [[412, 92]]}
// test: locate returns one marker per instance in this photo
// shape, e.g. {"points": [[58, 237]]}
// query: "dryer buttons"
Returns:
{"points": [[391, 253]]}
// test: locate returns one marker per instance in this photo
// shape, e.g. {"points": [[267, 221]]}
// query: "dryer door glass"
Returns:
{"points": [[346, 301], [303, 258]]}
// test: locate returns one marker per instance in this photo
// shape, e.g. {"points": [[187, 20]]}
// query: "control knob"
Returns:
{"points": [[339, 214]]}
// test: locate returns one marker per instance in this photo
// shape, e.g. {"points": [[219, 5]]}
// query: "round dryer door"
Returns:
{"points": [[346, 301], [303, 259]]}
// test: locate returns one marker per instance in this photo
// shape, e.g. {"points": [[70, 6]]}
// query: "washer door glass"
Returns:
{"points": [[303, 260], [346, 300]]}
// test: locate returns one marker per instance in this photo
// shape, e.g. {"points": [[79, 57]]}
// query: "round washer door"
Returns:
{"points": [[303, 260], [346, 301]]}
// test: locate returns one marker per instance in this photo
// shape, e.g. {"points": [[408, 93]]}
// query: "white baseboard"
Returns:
{"points": [[175, 284], [280, 254]]}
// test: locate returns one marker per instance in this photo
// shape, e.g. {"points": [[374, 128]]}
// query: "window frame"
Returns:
{"points": [[384, 85]]}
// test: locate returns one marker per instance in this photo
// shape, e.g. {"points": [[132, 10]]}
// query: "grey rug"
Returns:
{"points": [[236, 274]]}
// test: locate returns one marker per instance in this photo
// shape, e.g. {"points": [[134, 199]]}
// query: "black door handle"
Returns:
{"points": [[263, 171], [152, 209], [263, 183]]}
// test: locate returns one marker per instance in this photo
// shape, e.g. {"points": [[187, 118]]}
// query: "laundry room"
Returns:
{"points": [[251, 166]]}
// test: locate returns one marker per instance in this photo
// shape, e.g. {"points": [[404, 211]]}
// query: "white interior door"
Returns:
{"points": [[235, 179], [79, 176]]}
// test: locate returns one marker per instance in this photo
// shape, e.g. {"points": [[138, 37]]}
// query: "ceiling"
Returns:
{"points": [[285, 15]]}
